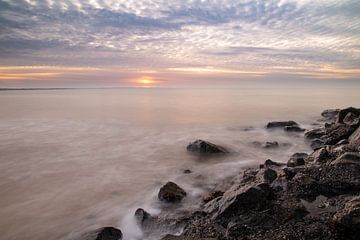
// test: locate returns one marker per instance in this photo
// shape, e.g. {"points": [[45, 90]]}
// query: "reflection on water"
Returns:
{"points": [[74, 160]]}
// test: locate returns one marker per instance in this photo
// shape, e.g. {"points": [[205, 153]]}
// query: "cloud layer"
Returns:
{"points": [[276, 36]]}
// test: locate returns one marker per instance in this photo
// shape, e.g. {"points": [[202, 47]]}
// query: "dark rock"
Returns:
{"points": [[141, 215], [280, 183], [348, 219], [320, 156], [270, 163], [316, 144], [297, 159], [249, 175], [108, 233], [204, 147], [270, 175], [337, 132], [187, 171], [352, 119], [289, 173], [212, 195], [330, 114], [348, 158], [315, 133], [355, 139], [281, 124], [171, 192], [273, 144], [342, 142], [293, 129], [173, 237], [343, 112]]}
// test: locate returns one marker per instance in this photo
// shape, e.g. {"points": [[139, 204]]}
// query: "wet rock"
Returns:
{"points": [[348, 219], [337, 132], [281, 124], [316, 144], [319, 156], [249, 175], [293, 129], [315, 133], [348, 158], [271, 163], [233, 202], [355, 139], [212, 195], [297, 159], [273, 144], [171, 193], [269, 175], [344, 112], [173, 237], [280, 183], [141, 215], [106, 233], [187, 171], [330, 114], [204, 147], [352, 119]]}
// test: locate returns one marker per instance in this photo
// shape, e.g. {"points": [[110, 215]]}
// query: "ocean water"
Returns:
{"points": [[76, 160]]}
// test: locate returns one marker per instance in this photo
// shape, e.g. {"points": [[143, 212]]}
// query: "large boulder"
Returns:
{"points": [[348, 158], [171, 193], [337, 132], [204, 147], [355, 139], [330, 114], [269, 175], [106, 233], [293, 129], [352, 119], [344, 112], [297, 159], [281, 124]]}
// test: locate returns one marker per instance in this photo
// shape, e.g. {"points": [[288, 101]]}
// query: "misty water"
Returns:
{"points": [[76, 160]]}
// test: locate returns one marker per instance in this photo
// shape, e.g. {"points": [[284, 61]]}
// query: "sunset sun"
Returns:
{"points": [[145, 81]]}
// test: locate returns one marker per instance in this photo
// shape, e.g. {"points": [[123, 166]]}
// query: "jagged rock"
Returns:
{"points": [[249, 175], [212, 195], [141, 215], [330, 114], [337, 132], [271, 163], [355, 139], [343, 112], [280, 183], [269, 175], [173, 237], [281, 124], [204, 147], [319, 156], [293, 129], [106, 233], [348, 219], [348, 158], [171, 192], [315, 133], [352, 119], [247, 197], [316, 144]]}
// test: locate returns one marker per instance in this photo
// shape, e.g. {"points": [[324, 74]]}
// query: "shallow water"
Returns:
{"points": [[74, 160]]}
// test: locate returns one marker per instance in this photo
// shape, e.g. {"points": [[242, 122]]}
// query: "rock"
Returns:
{"points": [[212, 195], [354, 139], [348, 158], [269, 175], [344, 112], [330, 114], [337, 132], [233, 202], [297, 159], [106, 233], [269, 163], [352, 119], [319, 156], [187, 171], [348, 219], [204, 147], [315, 133], [171, 193], [141, 215], [281, 124], [280, 183], [316, 144], [273, 144], [173, 237], [293, 129]]}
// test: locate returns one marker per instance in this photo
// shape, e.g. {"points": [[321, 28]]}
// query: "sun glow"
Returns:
{"points": [[145, 81]]}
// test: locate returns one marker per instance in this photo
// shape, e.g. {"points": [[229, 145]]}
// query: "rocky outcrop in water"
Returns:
{"points": [[281, 124], [171, 193], [106, 233], [204, 147]]}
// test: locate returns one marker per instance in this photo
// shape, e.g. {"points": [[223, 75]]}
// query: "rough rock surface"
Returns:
{"points": [[106, 233], [281, 124], [171, 193], [204, 147]]}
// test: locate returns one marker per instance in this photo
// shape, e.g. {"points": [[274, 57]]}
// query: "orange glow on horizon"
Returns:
{"points": [[145, 81]]}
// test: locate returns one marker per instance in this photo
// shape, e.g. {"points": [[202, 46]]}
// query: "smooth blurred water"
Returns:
{"points": [[75, 160]]}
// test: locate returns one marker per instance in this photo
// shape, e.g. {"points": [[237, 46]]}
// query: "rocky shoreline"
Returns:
{"points": [[312, 196]]}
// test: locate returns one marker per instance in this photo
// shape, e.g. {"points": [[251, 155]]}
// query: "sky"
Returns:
{"points": [[107, 43]]}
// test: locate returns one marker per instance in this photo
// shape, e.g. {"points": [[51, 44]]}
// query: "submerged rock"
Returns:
{"points": [[281, 124], [171, 193], [293, 129], [141, 215], [204, 147]]}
